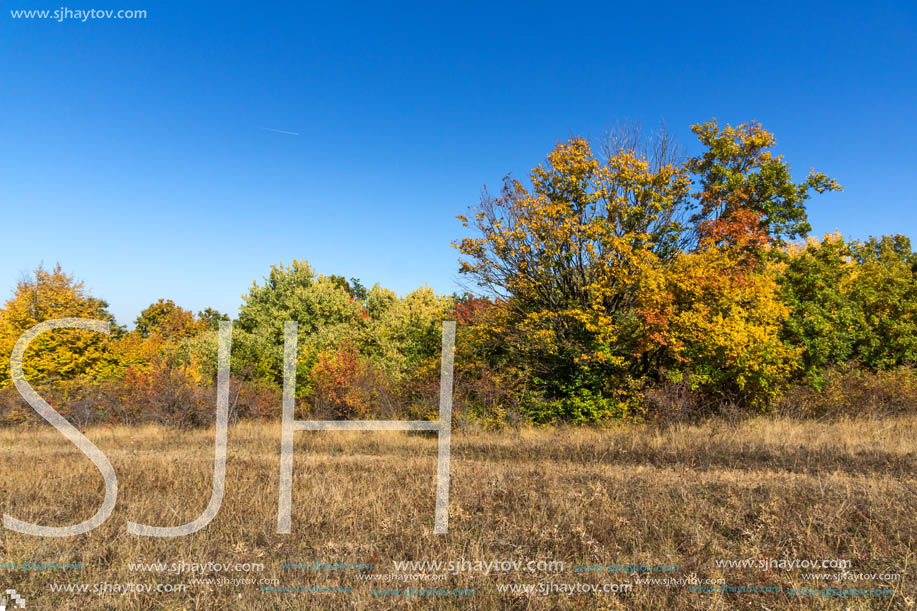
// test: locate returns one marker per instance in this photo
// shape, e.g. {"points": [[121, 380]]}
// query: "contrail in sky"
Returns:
{"points": [[278, 131]]}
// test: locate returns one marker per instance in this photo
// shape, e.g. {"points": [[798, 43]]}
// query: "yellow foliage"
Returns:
{"points": [[720, 317], [60, 354]]}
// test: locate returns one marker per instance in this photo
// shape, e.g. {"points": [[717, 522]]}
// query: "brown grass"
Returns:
{"points": [[761, 488]]}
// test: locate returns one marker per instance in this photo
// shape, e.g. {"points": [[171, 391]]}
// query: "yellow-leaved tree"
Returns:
{"points": [[720, 319], [567, 260], [60, 354]]}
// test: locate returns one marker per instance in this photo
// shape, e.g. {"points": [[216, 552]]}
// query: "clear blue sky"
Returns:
{"points": [[132, 151]]}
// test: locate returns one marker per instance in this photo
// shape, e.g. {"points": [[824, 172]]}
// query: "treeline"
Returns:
{"points": [[361, 352], [636, 283]]}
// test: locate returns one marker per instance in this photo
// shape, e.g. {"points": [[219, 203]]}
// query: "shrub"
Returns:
{"points": [[347, 386], [851, 390], [159, 394]]}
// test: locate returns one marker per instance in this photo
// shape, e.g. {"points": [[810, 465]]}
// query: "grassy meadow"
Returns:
{"points": [[763, 488]]}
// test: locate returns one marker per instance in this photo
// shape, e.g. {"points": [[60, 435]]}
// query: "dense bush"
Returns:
{"points": [[162, 394], [852, 391]]}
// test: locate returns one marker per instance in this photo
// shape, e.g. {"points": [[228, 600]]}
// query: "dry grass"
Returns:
{"points": [[686, 495]]}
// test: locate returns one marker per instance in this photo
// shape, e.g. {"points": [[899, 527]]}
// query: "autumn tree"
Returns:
{"points": [[724, 329], [745, 191], [168, 320], [668, 225], [567, 258], [490, 382], [884, 289], [64, 353], [323, 307], [409, 332], [211, 318], [851, 302], [716, 325], [584, 265], [816, 282]]}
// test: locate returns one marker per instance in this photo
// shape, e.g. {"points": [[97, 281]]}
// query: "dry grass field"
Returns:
{"points": [[688, 496]]}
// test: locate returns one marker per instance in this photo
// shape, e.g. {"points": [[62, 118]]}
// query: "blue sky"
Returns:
{"points": [[132, 151]]}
